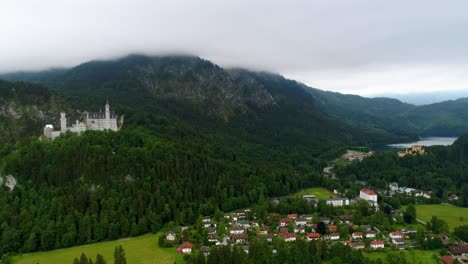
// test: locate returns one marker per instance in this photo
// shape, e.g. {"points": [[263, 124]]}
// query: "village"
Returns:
{"points": [[334, 220]]}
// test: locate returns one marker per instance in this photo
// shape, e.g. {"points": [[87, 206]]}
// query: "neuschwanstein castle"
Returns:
{"points": [[93, 121]]}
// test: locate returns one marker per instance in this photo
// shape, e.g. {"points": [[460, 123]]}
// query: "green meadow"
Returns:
{"points": [[453, 215], [319, 192], [414, 256], [139, 250]]}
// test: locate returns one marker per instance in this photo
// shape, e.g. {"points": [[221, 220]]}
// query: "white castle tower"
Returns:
{"points": [[63, 122], [108, 117], [93, 121]]}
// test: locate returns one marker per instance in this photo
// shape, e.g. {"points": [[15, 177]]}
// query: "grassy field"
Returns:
{"points": [[139, 250], [412, 256], [319, 192], [454, 216]]}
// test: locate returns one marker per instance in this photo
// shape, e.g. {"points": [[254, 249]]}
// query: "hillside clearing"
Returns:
{"points": [[139, 250]]}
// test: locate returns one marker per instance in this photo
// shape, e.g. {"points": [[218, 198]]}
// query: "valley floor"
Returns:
{"points": [[139, 250]]}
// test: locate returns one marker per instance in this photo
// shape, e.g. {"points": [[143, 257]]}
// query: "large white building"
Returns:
{"points": [[368, 195], [93, 121]]}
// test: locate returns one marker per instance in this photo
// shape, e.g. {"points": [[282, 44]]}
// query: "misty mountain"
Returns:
{"points": [[203, 94]]}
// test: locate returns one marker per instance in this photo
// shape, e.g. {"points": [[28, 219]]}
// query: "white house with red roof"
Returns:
{"points": [[288, 237], [313, 236], [377, 244], [357, 235], [396, 235], [185, 248], [368, 195]]}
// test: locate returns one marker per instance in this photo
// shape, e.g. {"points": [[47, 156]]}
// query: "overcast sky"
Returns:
{"points": [[360, 47]]}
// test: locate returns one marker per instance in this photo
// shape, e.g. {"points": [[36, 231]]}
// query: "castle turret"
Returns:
{"points": [[63, 122], [107, 124]]}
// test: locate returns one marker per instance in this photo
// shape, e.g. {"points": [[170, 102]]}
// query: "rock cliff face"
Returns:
{"points": [[25, 108], [200, 81]]}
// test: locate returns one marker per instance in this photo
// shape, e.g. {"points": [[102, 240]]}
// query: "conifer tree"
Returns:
{"points": [[119, 255], [100, 259]]}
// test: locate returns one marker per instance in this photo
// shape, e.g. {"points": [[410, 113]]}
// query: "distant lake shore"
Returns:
{"points": [[424, 141], [427, 141]]}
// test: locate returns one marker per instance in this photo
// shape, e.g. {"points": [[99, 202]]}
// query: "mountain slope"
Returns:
{"points": [[447, 118], [25, 108]]}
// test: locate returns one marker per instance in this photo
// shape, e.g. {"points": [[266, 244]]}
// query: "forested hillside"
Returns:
{"points": [[442, 170], [447, 118], [25, 108]]}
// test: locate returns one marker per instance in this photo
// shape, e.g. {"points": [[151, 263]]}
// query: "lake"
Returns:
{"points": [[428, 141]]}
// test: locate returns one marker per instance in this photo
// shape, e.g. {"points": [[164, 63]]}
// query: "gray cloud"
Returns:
{"points": [[366, 47]]}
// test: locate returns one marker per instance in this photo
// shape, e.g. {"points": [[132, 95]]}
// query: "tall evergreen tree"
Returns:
{"points": [[119, 255]]}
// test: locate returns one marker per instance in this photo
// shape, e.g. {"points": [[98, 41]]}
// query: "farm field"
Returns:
{"points": [[453, 215], [139, 250], [412, 256], [319, 192]]}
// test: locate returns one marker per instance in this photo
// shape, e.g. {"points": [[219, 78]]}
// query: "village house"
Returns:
{"points": [[334, 236], [205, 251], [264, 230], [345, 219], [357, 235], [396, 235], [377, 244], [310, 198], [337, 202], [239, 238], [206, 219], [312, 236], [283, 229], [267, 237], [301, 221], [244, 223], [211, 230], [299, 229], [185, 248], [326, 220], [398, 242], [236, 230], [368, 195], [371, 234], [288, 237], [292, 216], [446, 260], [209, 224], [307, 217], [212, 238], [358, 245], [284, 221], [245, 248], [171, 236], [332, 228], [459, 250]]}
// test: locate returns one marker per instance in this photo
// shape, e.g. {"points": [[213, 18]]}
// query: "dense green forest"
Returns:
{"points": [[106, 185], [442, 170]]}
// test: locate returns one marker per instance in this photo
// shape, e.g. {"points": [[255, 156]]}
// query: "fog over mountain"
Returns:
{"points": [[360, 47]]}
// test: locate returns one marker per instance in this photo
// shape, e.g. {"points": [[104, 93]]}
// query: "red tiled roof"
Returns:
{"points": [[357, 234], [292, 216], [377, 242], [287, 235], [335, 234], [368, 191], [397, 233], [332, 227], [285, 220], [446, 259], [186, 245], [313, 235]]}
